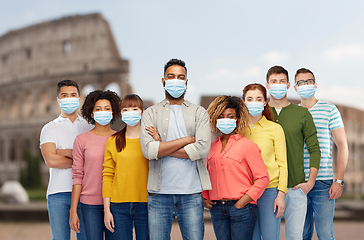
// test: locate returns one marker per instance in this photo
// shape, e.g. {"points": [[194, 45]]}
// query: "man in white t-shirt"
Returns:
{"points": [[56, 142]]}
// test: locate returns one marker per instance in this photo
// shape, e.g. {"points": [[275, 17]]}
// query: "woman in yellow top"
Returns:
{"points": [[269, 137], [125, 176]]}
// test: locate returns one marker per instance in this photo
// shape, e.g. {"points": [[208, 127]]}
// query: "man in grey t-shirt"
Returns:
{"points": [[177, 169]]}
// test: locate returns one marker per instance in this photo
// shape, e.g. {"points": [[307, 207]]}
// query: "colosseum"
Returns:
{"points": [[354, 127], [32, 61]]}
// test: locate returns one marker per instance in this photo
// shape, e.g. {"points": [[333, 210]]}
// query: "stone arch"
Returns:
{"points": [[115, 87], [44, 102], [85, 90], [14, 107], [27, 102]]}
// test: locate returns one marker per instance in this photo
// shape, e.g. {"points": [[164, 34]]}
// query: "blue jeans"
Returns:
{"points": [[129, 214], [268, 226], [93, 218], [188, 208], [231, 223], [59, 205], [318, 202], [295, 213]]}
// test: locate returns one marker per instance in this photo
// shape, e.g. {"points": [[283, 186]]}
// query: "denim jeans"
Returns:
{"points": [[129, 214], [93, 218], [188, 208], [268, 226], [318, 202], [59, 205], [231, 223], [295, 213]]}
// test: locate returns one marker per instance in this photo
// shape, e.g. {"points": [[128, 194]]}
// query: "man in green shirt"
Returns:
{"points": [[299, 128]]}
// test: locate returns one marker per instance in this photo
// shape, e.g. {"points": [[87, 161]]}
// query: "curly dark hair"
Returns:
{"points": [[93, 97]]}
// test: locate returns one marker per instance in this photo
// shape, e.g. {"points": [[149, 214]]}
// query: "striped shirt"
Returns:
{"points": [[326, 118]]}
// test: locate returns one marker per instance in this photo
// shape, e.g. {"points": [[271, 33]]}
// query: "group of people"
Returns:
{"points": [[267, 159]]}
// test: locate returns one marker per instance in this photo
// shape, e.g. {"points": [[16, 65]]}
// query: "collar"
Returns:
{"points": [[166, 102], [236, 137], [262, 121], [62, 119]]}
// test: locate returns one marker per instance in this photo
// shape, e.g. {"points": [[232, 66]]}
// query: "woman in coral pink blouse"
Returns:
{"points": [[237, 172]]}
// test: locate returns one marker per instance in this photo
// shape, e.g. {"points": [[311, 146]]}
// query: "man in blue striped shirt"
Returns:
{"points": [[330, 128]]}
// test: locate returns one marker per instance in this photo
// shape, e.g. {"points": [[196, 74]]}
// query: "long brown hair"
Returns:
{"points": [[267, 112], [131, 100]]}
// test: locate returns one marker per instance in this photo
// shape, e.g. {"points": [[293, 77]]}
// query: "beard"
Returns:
{"points": [[170, 97]]}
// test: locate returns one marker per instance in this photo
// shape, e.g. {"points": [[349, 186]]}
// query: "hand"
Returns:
{"points": [[74, 222], [208, 204], [305, 187], [152, 131], [191, 140], [335, 190], [279, 204], [239, 205], [65, 153], [109, 221]]}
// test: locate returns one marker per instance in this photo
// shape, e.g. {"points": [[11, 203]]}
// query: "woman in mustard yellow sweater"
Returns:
{"points": [[125, 176]]}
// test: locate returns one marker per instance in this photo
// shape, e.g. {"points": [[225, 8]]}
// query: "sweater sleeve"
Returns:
{"points": [[281, 158], [310, 135], [259, 170], [109, 168], [78, 161]]}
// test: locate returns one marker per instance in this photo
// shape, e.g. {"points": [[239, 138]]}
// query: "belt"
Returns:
{"points": [[224, 201]]}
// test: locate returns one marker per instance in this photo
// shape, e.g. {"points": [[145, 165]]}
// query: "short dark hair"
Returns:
{"points": [[277, 70], [93, 97], [303, 70], [175, 61], [67, 82]]}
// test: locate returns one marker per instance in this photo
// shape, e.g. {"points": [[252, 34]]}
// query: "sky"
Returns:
{"points": [[225, 44]]}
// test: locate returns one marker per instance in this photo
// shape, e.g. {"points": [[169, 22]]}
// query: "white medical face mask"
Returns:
{"points": [[175, 87]]}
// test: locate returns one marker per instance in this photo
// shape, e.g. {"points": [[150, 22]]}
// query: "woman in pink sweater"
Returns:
{"points": [[100, 108]]}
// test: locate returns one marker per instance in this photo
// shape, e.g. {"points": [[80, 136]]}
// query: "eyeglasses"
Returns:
{"points": [[305, 82]]}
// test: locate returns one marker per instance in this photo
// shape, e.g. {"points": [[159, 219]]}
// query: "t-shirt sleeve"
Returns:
{"points": [[47, 134], [335, 120]]}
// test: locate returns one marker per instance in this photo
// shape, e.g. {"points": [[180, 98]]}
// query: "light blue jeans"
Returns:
{"points": [[59, 205], [163, 208], [318, 202], [295, 213], [267, 226]]}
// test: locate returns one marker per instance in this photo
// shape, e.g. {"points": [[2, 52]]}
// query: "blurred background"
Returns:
{"points": [[123, 46]]}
